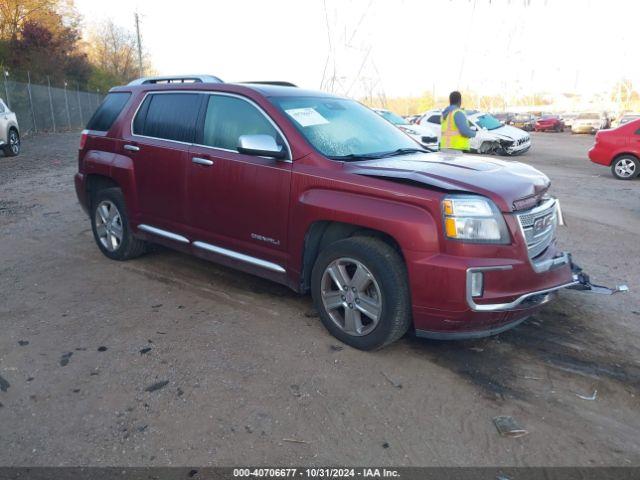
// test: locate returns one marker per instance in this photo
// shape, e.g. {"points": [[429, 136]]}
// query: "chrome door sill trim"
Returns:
{"points": [[163, 233], [239, 256]]}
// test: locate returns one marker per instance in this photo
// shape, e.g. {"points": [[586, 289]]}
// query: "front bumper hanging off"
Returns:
{"points": [[580, 281]]}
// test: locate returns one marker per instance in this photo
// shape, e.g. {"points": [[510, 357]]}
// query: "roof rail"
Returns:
{"points": [[274, 82], [176, 79]]}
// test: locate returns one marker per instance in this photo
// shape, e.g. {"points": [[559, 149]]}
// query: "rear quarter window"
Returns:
{"points": [[168, 116], [108, 111]]}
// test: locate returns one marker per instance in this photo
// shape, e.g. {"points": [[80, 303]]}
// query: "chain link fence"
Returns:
{"points": [[47, 108]]}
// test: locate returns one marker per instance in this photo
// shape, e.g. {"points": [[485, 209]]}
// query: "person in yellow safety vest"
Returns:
{"points": [[455, 126]]}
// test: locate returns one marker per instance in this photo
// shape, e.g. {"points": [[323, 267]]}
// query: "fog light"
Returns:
{"points": [[477, 281]]}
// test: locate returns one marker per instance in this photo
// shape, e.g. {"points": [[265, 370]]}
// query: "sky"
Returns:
{"points": [[391, 47]]}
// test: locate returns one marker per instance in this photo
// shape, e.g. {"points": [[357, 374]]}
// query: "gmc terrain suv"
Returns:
{"points": [[323, 195], [9, 131]]}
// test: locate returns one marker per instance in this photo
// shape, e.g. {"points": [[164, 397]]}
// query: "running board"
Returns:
{"points": [[239, 256]]}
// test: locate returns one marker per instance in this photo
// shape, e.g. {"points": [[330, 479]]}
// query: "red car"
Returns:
{"points": [[322, 194], [549, 123], [619, 149]]}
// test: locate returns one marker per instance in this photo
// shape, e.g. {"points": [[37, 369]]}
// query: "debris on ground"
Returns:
{"points": [[293, 440], [157, 386], [385, 445], [477, 349], [295, 390], [508, 427], [23, 343], [102, 349], [145, 350], [584, 397], [64, 359], [4, 385], [395, 384], [336, 348]]}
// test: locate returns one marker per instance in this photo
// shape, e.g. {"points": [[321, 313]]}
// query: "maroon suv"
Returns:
{"points": [[323, 195]]}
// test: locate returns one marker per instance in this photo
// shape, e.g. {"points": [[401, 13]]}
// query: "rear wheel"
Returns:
{"points": [[360, 289], [12, 148], [110, 225], [625, 167]]}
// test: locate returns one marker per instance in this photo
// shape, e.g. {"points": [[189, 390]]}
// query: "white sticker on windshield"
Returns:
{"points": [[307, 117]]}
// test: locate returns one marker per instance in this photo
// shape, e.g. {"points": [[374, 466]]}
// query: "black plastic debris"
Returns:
{"points": [[157, 386], [508, 427], [102, 349], [4, 385], [23, 343], [64, 359], [145, 350]]}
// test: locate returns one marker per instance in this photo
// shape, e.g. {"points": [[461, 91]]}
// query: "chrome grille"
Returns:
{"points": [[539, 227]]}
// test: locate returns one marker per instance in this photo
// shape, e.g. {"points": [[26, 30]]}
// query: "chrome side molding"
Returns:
{"points": [[239, 256], [163, 233]]}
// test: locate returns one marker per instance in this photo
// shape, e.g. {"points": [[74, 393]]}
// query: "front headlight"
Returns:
{"points": [[473, 219]]}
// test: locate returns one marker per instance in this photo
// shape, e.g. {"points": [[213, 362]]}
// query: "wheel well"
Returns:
{"points": [[624, 154], [96, 182], [323, 233]]}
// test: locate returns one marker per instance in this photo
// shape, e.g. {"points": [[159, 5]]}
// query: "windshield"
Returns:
{"points": [[628, 118], [488, 121], [548, 117], [392, 117], [522, 118], [588, 116], [341, 128]]}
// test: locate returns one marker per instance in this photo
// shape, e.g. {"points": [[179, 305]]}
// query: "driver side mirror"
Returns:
{"points": [[261, 145]]}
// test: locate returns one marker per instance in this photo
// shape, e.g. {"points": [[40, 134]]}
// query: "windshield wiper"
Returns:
{"points": [[376, 156], [403, 151]]}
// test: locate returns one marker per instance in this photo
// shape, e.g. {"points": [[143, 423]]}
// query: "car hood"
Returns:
{"points": [[508, 132], [421, 129], [503, 181]]}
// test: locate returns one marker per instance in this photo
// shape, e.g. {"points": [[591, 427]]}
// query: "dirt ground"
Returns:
{"points": [[169, 360]]}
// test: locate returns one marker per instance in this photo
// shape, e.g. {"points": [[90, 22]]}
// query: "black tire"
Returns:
{"points": [[12, 148], [632, 166], [128, 247], [389, 272]]}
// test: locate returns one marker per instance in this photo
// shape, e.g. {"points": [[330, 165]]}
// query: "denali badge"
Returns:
{"points": [[262, 238]]}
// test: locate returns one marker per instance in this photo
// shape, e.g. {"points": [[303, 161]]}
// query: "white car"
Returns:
{"points": [[426, 135], [9, 131], [491, 134], [589, 122]]}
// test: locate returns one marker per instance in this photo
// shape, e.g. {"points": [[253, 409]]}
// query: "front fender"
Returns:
{"points": [[412, 227]]}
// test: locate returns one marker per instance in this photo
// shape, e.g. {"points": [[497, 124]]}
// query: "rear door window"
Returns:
{"points": [[168, 116], [108, 111], [227, 118]]}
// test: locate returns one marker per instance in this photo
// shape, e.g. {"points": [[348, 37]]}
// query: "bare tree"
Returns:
{"points": [[113, 49]]}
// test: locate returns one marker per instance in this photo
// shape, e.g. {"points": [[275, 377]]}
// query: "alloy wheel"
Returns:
{"points": [[109, 225], [351, 296], [14, 142], [625, 168]]}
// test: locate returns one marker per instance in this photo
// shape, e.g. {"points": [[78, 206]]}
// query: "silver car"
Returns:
{"points": [[9, 131]]}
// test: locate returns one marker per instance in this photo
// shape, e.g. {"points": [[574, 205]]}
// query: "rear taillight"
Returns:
{"points": [[83, 138]]}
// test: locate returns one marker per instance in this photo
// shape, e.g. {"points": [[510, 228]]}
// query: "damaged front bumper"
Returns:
{"points": [[580, 281]]}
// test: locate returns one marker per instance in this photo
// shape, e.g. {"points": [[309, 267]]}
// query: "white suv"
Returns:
{"points": [[9, 131]]}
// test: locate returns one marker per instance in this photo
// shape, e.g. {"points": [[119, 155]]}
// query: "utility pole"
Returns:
{"points": [[137, 18]]}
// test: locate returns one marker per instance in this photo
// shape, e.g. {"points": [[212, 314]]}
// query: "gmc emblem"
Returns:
{"points": [[542, 223]]}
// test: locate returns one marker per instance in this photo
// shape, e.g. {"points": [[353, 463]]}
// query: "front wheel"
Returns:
{"points": [[12, 148], [110, 225], [360, 289], [625, 167]]}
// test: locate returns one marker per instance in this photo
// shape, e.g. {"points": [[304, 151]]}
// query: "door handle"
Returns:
{"points": [[132, 148], [202, 161]]}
